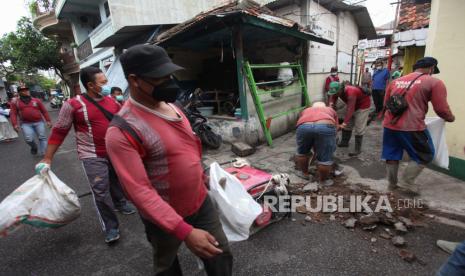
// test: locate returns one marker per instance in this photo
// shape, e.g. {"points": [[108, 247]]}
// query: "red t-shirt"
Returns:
{"points": [[425, 89], [354, 98], [90, 125], [163, 177], [330, 79], [315, 114], [32, 112]]}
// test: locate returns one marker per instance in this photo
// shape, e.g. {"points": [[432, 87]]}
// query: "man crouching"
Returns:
{"points": [[316, 129]]}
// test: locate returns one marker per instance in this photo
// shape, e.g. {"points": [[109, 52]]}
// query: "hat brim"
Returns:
{"points": [[332, 91], [162, 71]]}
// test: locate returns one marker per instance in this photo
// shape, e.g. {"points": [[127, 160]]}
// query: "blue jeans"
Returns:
{"points": [[30, 130], [455, 265], [319, 137]]}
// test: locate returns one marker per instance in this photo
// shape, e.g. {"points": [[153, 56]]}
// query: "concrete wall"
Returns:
{"points": [[340, 28], [82, 30], [154, 12], [446, 41]]}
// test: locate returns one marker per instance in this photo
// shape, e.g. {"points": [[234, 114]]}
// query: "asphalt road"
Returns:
{"points": [[285, 248]]}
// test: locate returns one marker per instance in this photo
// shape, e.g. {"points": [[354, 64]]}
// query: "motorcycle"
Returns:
{"points": [[57, 101], [188, 102]]}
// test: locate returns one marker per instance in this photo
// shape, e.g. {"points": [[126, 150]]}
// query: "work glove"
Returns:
{"points": [[42, 168]]}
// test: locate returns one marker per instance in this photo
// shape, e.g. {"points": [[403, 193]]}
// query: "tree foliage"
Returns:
{"points": [[27, 50]]}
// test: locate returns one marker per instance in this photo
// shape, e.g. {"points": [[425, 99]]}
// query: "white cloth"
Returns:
{"points": [[436, 128]]}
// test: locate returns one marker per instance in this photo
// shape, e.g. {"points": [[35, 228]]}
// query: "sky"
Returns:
{"points": [[380, 11], [12, 11]]}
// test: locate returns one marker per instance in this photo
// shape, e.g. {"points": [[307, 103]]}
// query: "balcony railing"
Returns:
{"points": [[84, 50]]}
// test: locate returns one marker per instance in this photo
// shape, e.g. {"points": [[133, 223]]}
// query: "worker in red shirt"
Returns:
{"points": [[32, 119], [90, 114], [356, 117], [333, 76], [117, 94], [165, 178], [316, 130], [408, 131]]}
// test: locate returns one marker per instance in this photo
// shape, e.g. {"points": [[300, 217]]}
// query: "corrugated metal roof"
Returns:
{"points": [[246, 7]]}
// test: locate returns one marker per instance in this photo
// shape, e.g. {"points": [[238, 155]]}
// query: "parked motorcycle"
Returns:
{"points": [[188, 102], [57, 101]]}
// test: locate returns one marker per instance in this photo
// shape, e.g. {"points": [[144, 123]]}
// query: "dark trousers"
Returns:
{"points": [[378, 99], [106, 190], [165, 246]]}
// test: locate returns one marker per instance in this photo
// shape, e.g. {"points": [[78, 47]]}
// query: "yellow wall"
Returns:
{"points": [[412, 54], [446, 42]]}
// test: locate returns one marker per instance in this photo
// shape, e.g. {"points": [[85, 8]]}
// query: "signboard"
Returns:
{"points": [[373, 43]]}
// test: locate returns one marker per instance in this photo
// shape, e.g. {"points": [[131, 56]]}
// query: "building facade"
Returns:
{"points": [[445, 42], [334, 20]]}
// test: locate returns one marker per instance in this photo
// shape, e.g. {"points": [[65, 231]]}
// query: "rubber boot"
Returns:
{"points": [[391, 171], [302, 166], [358, 145], [410, 174], [33, 146], [346, 134]]}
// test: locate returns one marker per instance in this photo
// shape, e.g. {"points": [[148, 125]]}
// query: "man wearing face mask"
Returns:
{"points": [[331, 78], [165, 180], [117, 94], [407, 131], [89, 114], [32, 114]]}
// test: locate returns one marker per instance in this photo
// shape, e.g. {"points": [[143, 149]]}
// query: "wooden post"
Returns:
{"points": [[239, 55]]}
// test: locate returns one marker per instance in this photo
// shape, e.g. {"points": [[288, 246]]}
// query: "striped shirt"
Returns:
{"points": [[90, 125]]}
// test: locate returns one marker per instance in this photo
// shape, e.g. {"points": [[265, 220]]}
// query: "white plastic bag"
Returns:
{"points": [[237, 209], [436, 128], [285, 74], [42, 201]]}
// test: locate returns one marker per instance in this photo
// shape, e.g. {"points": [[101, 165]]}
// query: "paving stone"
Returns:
{"points": [[242, 149]]}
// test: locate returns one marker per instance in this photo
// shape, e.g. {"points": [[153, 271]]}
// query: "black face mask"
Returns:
{"points": [[166, 92], [25, 99]]}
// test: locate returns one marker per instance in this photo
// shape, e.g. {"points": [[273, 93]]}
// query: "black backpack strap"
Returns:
{"points": [[122, 124], [105, 112]]}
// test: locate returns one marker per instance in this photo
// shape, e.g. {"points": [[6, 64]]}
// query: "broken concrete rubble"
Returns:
{"points": [[398, 241], [242, 149], [400, 227], [350, 223], [369, 220], [407, 255], [406, 221], [310, 187], [370, 227], [385, 236]]}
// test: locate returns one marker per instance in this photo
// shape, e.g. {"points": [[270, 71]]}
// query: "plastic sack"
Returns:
{"points": [[237, 209], [42, 201], [285, 74], [436, 128]]}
